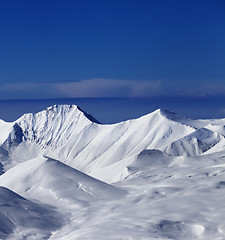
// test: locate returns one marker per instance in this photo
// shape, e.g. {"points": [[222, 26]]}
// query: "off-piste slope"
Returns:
{"points": [[19, 216], [51, 181], [75, 138]]}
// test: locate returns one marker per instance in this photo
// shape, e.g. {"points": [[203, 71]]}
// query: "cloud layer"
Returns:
{"points": [[100, 87], [97, 87]]}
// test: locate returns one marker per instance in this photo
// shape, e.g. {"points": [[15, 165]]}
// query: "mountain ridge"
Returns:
{"points": [[67, 133]]}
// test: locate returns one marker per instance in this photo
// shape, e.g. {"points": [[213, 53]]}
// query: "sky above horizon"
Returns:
{"points": [[114, 48]]}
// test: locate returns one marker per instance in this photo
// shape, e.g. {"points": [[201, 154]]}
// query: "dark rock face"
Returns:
{"points": [[14, 138]]}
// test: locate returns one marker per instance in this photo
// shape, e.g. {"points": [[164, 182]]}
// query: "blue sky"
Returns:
{"points": [[113, 48]]}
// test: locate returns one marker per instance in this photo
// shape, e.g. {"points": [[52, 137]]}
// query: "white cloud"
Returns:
{"points": [[97, 87]]}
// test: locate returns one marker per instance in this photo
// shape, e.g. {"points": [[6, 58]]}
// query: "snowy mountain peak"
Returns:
{"points": [[172, 116], [71, 109], [58, 111], [165, 115], [54, 123]]}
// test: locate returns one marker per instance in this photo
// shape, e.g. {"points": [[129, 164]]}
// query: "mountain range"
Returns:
{"points": [[64, 175]]}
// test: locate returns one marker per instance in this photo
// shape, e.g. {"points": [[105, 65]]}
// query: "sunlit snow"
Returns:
{"points": [[66, 176]]}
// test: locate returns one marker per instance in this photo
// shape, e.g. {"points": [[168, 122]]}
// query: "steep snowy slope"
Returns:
{"points": [[54, 125], [195, 143], [19, 216]]}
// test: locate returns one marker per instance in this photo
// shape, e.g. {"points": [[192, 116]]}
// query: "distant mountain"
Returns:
{"points": [[66, 133]]}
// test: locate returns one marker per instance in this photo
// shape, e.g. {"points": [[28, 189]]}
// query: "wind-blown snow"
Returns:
{"points": [[66, 176]]}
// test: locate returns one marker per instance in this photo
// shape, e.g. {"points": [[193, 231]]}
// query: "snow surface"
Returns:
{"points": [[63, 175]]}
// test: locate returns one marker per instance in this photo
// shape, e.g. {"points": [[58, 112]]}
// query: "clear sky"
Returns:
{"points": [[112, 48]]}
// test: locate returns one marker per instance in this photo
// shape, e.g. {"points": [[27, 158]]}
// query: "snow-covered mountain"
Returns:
{"points": [[75, 138], [64, 157]]}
